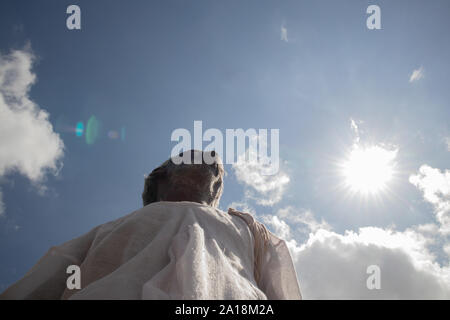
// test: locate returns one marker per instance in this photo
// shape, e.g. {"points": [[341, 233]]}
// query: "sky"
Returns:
{"points": [[363, 118]]}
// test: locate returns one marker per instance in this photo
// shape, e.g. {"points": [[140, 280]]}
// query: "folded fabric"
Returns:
{"points": [[168, 250]]}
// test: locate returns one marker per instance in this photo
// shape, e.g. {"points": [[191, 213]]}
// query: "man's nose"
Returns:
{"points": [[201, 156], [198, 157]]}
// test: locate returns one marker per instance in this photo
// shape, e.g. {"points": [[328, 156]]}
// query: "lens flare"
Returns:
{"points": [[122, 133], [79, 129], [112, 134], [92, 130]]}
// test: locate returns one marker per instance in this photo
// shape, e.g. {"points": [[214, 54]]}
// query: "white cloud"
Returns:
{"points": [[28, 143], [2, 206], [264, 189], [284, 34], [435, 186], [429, 228], [305, 217], [242, 206], [279, 227], [354, 126], [334, 266], [416, 75], [447, 249]]}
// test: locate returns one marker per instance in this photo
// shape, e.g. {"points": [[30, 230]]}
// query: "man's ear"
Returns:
{"points": [[150, 193]]}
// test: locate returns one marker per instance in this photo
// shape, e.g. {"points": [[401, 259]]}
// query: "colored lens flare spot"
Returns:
{"points": [[92, 130], [79, 129]]}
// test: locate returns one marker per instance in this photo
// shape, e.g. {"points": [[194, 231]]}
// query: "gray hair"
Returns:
{"points": [[175, 176]]}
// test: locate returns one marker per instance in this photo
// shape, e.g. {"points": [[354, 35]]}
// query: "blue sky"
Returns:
{"points": [[153, 66]]}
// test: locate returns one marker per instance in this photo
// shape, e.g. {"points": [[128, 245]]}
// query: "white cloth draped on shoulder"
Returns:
{"points": [[168, 250]]}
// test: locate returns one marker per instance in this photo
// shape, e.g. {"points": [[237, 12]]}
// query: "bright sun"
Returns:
{"points": [[368, 170]]}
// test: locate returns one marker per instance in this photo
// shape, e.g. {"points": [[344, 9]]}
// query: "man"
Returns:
{"points": [[178, 246]]}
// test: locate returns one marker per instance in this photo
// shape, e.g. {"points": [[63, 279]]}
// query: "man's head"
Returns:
{"points": [[186, 181]]}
